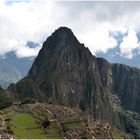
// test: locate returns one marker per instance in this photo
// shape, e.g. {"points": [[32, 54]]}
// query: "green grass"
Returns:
{"points": [[28, 126], [24, 126]]}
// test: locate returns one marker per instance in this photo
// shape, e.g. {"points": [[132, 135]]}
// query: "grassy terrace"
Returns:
{"points": [[30, 125], [26, 126], [70, 124]]}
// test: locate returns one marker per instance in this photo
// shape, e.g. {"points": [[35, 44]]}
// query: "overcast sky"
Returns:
{"points": [[96, 24]]}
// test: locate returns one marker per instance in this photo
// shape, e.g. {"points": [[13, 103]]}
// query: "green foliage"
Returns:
{"points": [[130, 121], [83, 105], [28, 101], [46, 123], [1, 89], [4, 101], [64, 128], [131, 125], [9, 130]]}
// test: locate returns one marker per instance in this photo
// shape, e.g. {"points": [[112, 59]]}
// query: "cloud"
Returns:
{"points": [[22, 49], [23, 22], [129, 43], [92, 22], [98, 19], [27, 52], [99, 40]]}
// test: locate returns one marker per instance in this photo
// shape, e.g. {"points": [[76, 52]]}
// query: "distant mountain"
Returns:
{"points": [[12, 69], [21, 64], [66, 73], [113, 56]]}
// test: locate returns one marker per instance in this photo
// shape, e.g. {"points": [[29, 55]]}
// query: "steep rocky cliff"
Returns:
{"points": [[66, 73], [122, 81]]}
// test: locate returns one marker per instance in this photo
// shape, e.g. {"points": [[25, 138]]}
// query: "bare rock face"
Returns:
{"points": [[25, 88], [122, 81], [126, 83]]}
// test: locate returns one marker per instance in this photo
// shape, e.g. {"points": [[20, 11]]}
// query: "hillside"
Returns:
{"points": [[41, 120]]}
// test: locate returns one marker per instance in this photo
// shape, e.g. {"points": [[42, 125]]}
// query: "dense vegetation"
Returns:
{"points": [[4, 101]]}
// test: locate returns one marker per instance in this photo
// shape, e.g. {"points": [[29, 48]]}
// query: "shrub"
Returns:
{"points": [[45, 123], [83, 105], [4, 101], [28, 101]]}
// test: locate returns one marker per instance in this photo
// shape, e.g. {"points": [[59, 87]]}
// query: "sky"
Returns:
{"points": [[101, 26]]}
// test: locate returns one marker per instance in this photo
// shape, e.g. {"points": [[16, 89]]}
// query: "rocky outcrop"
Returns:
{"points": [[25, 88]]}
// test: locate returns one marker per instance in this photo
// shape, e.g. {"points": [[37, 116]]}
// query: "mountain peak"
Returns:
{"points": [[64, 29], [62, 37], [64, 33]]}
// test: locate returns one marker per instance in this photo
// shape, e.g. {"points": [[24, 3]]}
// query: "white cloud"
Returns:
{"points": [[91, 22], [23, 22], [27, 52], [99, 40], [130, 42], [22, 50]]}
